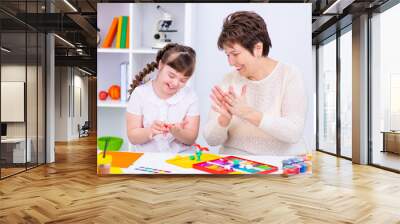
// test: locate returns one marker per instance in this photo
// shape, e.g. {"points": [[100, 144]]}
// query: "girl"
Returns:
{"points": [[163, 114]]}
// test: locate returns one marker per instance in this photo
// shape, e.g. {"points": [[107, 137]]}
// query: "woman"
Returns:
{"points": [[260, 108]]}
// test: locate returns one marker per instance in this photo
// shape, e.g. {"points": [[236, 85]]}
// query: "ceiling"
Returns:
{"points": [[79, 27]]}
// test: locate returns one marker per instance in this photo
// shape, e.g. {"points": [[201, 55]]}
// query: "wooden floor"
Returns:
{"points": [[10, 171], [5, 172], [387, 159], [69, 191]]}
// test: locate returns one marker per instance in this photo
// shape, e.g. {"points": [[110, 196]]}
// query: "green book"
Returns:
{"points": [[124, 32]]}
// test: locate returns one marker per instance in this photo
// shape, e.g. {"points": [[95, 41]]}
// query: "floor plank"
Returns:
{"points": [[387, 159], [69, 191]]}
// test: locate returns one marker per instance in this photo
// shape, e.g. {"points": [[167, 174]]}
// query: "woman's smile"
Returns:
{"points": [[238, 68]]}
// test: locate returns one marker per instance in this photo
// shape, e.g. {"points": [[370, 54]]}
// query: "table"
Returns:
{"points": [[17, 151], [391, 141], [158, 161]]}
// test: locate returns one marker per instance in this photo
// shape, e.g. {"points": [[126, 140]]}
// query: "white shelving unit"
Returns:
{"points": [[112, 50], [133, 50], [144, 51], [112, 104], [143, 20]]}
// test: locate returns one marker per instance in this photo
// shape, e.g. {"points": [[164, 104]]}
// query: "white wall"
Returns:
{"points": [[12, 73], [61, 103], [33, 126], [314, 98], [289, 28], [80, 82], [68, 82]]}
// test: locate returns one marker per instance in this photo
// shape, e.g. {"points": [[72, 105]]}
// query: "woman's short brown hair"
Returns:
{"points": [[247, 29]]}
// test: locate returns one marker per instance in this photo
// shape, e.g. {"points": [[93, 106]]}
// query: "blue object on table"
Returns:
{"points": [[287, 162], [303, 168]]}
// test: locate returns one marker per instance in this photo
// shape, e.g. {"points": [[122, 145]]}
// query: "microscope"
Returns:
{"points": [[162, 28]]}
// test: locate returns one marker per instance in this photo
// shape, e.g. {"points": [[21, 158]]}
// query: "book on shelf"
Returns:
{"points": [[124, 28], [110, 34], [119, 31], [119, 28], [128, 33]]}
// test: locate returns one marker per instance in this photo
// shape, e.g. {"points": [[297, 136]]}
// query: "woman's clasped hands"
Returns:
{"points": [[229, 103]]}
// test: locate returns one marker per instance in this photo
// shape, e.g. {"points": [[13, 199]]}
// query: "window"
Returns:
{"points": [[395, 101], [346, 94], [385, 88], [327, 96], [22, 69]]}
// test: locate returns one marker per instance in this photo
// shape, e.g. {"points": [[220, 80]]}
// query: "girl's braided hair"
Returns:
{"points": [[179, 57]]}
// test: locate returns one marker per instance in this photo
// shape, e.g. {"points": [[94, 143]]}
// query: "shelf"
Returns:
{"points": [[134, 51], [144, 51], [111, 104], [143, 17], [112, 50]]}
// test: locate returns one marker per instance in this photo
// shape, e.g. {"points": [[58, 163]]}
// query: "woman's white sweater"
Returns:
{"points": [[281, 98]]}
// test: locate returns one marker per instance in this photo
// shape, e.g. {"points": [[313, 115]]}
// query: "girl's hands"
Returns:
{"points": [[177, 127], [158, 127]]}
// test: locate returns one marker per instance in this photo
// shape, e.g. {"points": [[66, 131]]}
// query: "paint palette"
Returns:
{"points": [[234, 165], [152, 170]]}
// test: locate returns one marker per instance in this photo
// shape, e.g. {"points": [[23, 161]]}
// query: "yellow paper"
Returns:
{"points": [[119, 31]]}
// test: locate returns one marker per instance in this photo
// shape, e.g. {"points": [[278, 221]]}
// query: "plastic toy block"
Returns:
{"points": [[295, 165], [249, 167], [309, 166], [187, 162], [237, 166], [199, 147], [298, 166], [303, 168], [263, 167], [290, 170], [286, 162], [198, 155]]}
